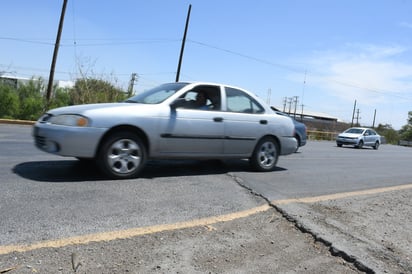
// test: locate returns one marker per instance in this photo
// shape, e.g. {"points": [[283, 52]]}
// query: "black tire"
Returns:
{"points": [[85, 160], [122, 155], [376, 146], [360, 145], [266, 154], [339, 145]]}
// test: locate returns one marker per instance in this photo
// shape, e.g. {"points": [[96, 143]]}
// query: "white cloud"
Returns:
{"points": [[406, 25], [365, 72], [377, 77]]}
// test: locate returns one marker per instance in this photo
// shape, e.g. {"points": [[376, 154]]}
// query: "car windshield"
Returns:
{"points": [[354, 130], [156, 95]]}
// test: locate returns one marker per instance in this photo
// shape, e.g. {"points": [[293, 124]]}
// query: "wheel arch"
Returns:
{"points": [[263, 160], [277, 141], [129, 128], [298, 138]]}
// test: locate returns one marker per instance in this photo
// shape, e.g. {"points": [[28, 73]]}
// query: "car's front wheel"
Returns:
{"points": [[360, 144], [265, 155], [122, 155]]}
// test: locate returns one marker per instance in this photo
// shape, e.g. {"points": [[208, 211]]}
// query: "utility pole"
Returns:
{"points": [[353, 114], [290, 99], [301, 114], [285, 100], [374, 117], [295, 100], [357, 117], [183, 44], [56, 50], [133, 79]]}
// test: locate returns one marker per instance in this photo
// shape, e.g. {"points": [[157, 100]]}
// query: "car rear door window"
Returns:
{"points": [[238, 101]]}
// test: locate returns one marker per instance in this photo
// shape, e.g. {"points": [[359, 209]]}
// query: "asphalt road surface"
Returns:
{"points": [[325, 209]]}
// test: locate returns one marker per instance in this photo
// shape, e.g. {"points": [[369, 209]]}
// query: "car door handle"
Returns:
{"points": [[218, 119], [263, 122]]}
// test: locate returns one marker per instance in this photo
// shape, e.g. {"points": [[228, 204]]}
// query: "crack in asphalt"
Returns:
{"points": [[334, 251]]}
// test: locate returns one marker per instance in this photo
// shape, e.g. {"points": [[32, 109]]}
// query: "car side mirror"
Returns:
{"points": [[179, 102]]}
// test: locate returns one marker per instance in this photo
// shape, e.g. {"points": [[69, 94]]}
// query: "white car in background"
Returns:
{"points": [[167, 122], [359, 137]]}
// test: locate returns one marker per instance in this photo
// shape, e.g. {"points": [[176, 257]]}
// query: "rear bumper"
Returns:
{"points": [[288, 145]]}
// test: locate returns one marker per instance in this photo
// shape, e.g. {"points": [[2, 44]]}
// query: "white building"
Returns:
{"points": [[16, 81]]}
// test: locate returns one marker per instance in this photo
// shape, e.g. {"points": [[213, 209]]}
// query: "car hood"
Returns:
{"points": [[92, 108], [349, 135]]}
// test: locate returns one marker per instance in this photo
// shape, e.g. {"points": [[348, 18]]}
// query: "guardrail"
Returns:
{"points": [[321, 135], [18, 122], [405, 143]]}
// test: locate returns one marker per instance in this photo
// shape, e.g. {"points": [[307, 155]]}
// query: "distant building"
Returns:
{"points": [[64, 84], [15, 81], [311, 115]]}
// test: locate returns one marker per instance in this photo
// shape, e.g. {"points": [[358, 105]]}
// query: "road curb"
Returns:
{"points": [[16, 122]]}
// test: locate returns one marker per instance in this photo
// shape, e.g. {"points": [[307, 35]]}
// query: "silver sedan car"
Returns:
{"points": [[359, 137], [174, 120]]}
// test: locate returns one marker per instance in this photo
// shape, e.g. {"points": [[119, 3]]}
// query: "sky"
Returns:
{"points": [[329, 54]]}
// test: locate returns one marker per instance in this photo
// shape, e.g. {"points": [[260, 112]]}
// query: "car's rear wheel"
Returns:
{"points": [[298, 140], [265, 155], [122, 155], [376, 146]]}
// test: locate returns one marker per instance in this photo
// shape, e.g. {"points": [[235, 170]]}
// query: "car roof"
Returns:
{"points": [[363, 128], [214, 84]]}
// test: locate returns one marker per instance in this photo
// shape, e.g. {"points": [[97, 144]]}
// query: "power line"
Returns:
{"points": [[290, 68], [90, 41], [384, 92], [296, 69], [120, 41]]}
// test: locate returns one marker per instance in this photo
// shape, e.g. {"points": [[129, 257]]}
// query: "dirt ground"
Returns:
{"points": [[373, 230], [262, 243]]}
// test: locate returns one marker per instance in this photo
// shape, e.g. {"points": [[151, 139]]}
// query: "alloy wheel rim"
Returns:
{"points": [[267, 154], [124, 156]]}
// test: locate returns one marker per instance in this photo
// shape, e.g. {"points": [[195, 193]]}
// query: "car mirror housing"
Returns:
{"points": [[179, 102]]}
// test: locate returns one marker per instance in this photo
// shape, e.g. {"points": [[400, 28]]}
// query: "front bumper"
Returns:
{"points": [[67, 140], [347, 141]]}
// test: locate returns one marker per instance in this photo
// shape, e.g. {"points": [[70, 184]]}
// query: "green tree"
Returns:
{"points": [[31, 100], [390, 134], [406, 130], [86, 91], [9, 103], [61, 98]]}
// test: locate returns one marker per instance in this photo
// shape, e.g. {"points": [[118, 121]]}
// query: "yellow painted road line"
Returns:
{"points": [[341, 195], [128, 233]]}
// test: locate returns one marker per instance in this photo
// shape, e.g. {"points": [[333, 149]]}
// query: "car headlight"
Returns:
{"points": [[69, 120]]}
